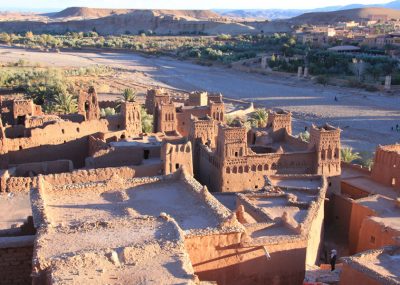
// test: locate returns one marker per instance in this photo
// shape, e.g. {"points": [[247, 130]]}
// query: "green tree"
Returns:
{"points": [[65, 103], [129, 95], [348, 155], [259, 117], [305, 136], [147, 121]]}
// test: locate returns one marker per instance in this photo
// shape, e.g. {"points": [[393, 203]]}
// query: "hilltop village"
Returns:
{"points": [[199, 200]]}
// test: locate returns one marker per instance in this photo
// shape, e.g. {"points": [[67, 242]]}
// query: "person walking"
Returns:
{"points": [[333, 259]]}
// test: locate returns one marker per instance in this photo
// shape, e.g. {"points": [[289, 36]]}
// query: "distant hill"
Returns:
{"points": [[95, 13], [274, 14], [84, 12], [333, 17], [161, 22]]}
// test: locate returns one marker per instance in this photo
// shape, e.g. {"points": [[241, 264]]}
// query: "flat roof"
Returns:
{"points": [[14, 209], [386, 209], [381, 264], [125, 251], [284, 209], [130, 231]]}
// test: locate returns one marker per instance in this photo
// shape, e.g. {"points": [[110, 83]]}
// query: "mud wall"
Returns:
{"points": [[358, 214], [16, 260], [349, 275], [220, 258], [375, 235]]}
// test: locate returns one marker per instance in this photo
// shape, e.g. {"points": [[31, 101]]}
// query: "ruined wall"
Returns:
{"points": [[375, 235], [183, 118], [88, 104], [350, 274], [63, 140], [175, 156], [280, 122], [16, 260], [130, 112], [386, 168], [358, 214], [220, 258]]}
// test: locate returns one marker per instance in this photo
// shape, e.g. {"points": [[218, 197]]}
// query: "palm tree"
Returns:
{"points": [[65, 103], [348, 155], [129, 95], [259, 118]]}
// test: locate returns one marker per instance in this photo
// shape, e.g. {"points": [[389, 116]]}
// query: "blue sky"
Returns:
{"points": [[177, 4]]}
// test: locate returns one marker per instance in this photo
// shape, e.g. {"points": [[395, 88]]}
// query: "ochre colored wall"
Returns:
{"points": [[16, 265], [374, 235], [358, 214], [220, 258], [350, 276], [352, 191]]}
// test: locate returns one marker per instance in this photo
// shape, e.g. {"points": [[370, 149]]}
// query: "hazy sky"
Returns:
{"points": [[178, 4]]}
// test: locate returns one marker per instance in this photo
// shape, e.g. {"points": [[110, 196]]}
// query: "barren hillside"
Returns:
{"points": [[345, 15], [134, 21]]}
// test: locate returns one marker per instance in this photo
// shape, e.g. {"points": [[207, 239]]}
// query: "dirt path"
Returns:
{"points": [[365, 118]]}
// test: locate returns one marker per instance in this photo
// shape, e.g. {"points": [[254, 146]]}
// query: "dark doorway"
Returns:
{"points": [[146, 154]]}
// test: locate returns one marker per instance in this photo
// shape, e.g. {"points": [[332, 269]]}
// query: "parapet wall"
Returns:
{"points": [[16, 259]]}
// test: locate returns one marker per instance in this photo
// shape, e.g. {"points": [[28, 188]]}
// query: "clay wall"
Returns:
{"points": [[209, 170], [315, 235], [115, 157], [88, 105], [352, 191], [248, 173], [166, 120], [47, 167], [197, 99], [358, 214], [16, 260], [183, 118], [326, 142], [349, 275], [220, 258], [280, 121], [374, 235], [130, 112], [63, 140], [175, 156], [386, 168], [24, 108], [340, 214]]}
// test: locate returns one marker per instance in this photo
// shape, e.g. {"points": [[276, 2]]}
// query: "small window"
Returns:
{"points": [[256, 186], [20, 147], [330, 184], [372, 239], [78, 130], [118, 127], [63, 131], [122, 137], [146, 154], [176, 165], [236, 154], [393, 181]]}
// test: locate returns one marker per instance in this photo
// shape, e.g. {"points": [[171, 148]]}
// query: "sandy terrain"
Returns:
{"points": [[365, 118]]}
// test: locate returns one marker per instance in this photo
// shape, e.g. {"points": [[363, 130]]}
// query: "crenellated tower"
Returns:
{"points": [[326, 142]]}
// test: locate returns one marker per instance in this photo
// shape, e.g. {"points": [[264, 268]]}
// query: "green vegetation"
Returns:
{"points": [[259, 118], [49, 87], [64, 103], [147, 121], [129, 95], [348, 155], [360, 70], [305, 136], [104, 112]]}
